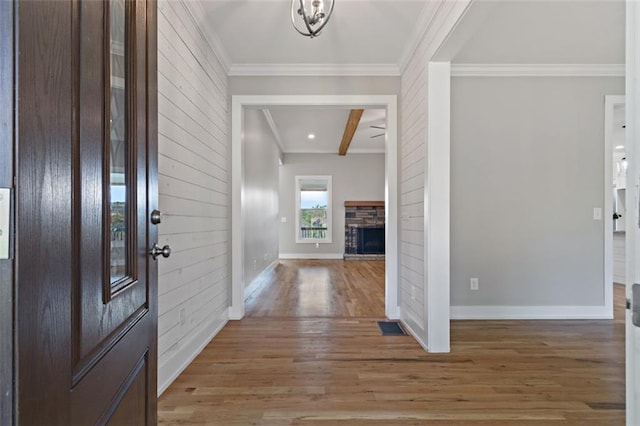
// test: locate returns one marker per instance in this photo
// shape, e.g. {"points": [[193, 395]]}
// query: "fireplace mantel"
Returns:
{"points": [[364, 203]]}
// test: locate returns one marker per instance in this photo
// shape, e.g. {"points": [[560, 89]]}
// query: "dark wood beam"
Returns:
{"points": [[350, 130]]}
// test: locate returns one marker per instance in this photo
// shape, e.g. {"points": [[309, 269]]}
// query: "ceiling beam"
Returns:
{"points": [[350, 130]]}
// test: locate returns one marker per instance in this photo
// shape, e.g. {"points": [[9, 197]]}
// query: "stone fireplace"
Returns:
{"points": [[364, 230]]}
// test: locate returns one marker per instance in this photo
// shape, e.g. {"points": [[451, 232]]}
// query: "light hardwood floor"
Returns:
{"points": [[320, 288], [309, 353]]}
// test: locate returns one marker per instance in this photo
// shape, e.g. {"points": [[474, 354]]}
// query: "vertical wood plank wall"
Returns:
{"points": [[412, 155], [194, 189]]}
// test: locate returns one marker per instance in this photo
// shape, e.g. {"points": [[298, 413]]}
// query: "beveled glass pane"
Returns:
{"points": [[118, 144]]}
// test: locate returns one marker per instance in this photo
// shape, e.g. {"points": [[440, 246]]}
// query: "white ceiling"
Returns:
{"points": [[370, 36], [294, 124], [377, 37], [545, 32]]}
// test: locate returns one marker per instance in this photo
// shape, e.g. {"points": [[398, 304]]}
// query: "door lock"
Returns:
{"points": [[156, 251], [156, 217]]}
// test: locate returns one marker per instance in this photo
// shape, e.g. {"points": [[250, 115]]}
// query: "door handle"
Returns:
{"points": [[156, 251]]}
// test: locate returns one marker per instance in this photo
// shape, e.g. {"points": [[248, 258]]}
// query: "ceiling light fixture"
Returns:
{"points": [[316, 17], [311, 136]]}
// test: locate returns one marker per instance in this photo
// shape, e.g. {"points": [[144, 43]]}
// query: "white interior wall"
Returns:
{"points": [[261, 219], [527, 171], [413, 140], [193, 180], [355, 177]]}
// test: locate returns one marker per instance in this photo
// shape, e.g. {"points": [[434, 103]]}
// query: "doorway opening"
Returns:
{"points": [[615, 177], [389, 103]]}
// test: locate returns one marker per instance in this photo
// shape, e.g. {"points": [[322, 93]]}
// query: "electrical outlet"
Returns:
{"points": [[317, 245], [283, 219], [474, 284], [182, 316]]}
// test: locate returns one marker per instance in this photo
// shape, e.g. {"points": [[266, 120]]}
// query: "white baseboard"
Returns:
{"points": [[410, 325], [256, 281], [236, 314], [311, 255], [174, 366], [393, 313], [415, 336], [530, 312]]}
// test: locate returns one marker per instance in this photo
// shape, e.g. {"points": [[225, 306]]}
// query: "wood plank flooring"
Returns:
{"points": [[290, 363], [320, 288]]}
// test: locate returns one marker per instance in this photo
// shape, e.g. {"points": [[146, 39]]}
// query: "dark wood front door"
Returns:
{"points": [[86, 185]]}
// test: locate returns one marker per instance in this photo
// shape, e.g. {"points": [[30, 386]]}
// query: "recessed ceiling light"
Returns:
{"points": [[311, 136], [620, 147]]}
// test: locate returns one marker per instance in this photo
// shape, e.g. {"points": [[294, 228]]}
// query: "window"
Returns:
{"points": [[313, 204]]}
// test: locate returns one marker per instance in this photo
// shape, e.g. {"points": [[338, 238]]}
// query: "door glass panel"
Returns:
{"points": [[118, 143]]}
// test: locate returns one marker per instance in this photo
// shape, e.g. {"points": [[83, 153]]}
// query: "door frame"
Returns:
{"points": [[238, 105], [610, 102], [7, 123], [632, 119], [437, 209]]}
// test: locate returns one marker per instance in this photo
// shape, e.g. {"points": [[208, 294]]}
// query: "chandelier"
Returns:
{"points": [[314, 20]]}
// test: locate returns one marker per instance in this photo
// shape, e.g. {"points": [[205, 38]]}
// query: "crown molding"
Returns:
{"points": [[537, 70], [425, 20], [335, 152], [366, 151], [274, 128], [313, 70], [312, 151], [194, 9]]}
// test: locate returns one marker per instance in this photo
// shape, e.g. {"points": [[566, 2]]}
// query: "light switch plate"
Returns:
{"points": [[5, 216], [597, 213]]}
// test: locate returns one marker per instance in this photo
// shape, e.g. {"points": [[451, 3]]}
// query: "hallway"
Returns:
{"points": [[292, 361], [320, 288]]}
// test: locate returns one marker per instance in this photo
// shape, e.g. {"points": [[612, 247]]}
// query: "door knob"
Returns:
{"points": [[156, 251]]}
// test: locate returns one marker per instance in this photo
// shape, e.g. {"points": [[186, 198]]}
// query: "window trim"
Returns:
{"points": [[329, 237]]}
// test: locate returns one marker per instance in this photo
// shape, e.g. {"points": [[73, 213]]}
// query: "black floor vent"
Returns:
{"points": [[391, 328]]}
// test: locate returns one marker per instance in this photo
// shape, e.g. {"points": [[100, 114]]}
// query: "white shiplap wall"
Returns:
{"points": [[412, 165], [194, 190]]}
